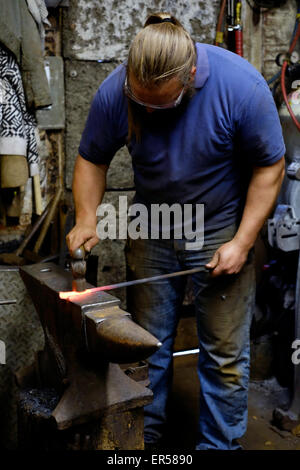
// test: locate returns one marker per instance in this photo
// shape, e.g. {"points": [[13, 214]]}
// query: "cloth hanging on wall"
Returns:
{"points": [[18, 128], [39, 12], [20, 35]]}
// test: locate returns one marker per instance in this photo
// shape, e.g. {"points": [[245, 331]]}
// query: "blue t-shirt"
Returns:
{"points": [[201, 152]]}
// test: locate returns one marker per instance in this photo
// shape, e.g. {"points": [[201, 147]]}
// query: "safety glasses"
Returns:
{"points": [[173, 104]]}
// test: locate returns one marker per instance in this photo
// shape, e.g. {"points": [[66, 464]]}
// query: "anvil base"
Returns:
{"points": [[100, 410]]}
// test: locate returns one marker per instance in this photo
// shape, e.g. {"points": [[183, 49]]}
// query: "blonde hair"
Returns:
{"points": [[160, 51]]}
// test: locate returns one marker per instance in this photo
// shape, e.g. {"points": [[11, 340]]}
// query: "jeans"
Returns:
{"points": [[224, 308]]}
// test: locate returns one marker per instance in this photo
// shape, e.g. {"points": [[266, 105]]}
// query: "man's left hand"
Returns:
{"points": [[228, 259]]}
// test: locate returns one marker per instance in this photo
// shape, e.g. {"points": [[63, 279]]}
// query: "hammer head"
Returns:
{"points": [[78, 266]]}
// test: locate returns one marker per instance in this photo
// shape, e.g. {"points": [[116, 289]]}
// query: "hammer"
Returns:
{"points": [[78, 266]]}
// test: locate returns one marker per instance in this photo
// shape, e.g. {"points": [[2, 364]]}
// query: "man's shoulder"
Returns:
{"points": [[228, 66], [112, 85]]}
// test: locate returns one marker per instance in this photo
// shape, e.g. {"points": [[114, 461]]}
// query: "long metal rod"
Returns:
{"points": [[149, 279], [135, 282]]}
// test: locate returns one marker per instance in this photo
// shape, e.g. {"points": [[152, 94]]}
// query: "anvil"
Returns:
{"points": [[85, 338]]}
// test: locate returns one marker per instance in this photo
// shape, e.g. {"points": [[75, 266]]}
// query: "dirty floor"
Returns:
{"points": [[264, 396]]}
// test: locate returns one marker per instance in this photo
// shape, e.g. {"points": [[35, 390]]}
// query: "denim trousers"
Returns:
{"points": [[224, 308]]}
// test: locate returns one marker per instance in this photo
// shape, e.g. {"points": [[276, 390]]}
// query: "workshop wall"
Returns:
{"points": [[20, 328], [268, 35], [277, 26], [96, 31]]}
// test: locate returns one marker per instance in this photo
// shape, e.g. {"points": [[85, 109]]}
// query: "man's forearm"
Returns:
{"points": [[261, 196], [89, 183]]}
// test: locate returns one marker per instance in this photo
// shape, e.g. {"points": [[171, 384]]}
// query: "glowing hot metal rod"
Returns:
{"points": [[74, 294]]}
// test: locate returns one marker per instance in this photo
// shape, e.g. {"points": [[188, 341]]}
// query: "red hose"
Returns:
{"points": [[282, 79], [220, 21], [292, 46], [239, 42]]}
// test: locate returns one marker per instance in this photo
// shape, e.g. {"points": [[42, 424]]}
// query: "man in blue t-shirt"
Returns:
{"points": [[202, 128]]}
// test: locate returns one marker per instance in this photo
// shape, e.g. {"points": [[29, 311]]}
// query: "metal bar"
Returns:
{"points": [[66, 295], [186, 353], [8, 301], [4, 268]]}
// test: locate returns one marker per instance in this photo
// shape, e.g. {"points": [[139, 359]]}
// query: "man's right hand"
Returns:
{"points": [[82, 234]]}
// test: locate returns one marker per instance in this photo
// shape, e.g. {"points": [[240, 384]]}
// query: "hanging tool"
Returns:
{"points": [[230, 12], [234, 27], [37, 194], [49, 218], [71, 294], [238, 30], [231, 25], [34, 256], [16, 258]]}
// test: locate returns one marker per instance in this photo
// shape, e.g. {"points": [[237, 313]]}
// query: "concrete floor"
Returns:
{"points": [[263, 398]]}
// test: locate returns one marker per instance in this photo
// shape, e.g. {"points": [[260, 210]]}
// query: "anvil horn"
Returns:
{"points": [[119, 339]]}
